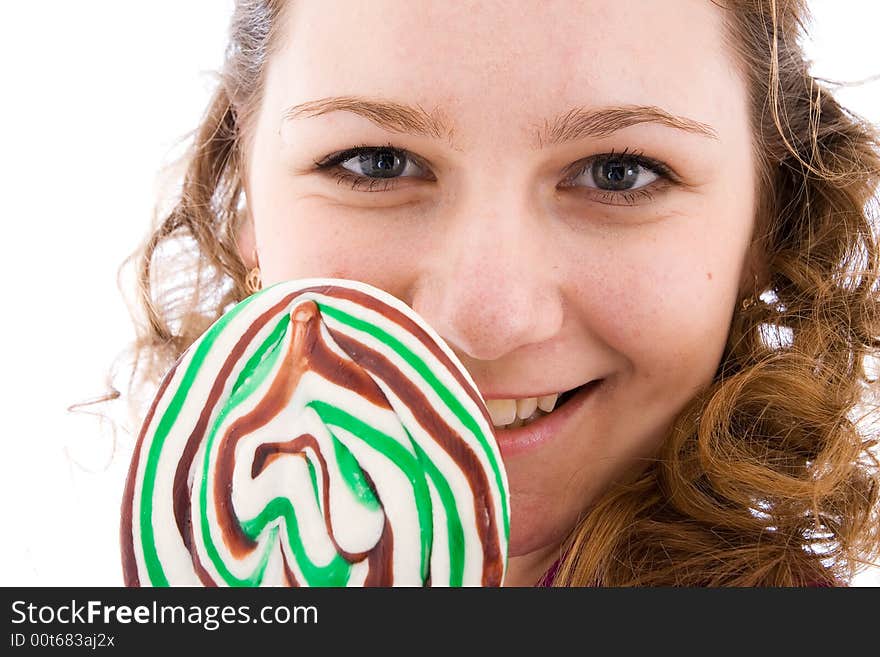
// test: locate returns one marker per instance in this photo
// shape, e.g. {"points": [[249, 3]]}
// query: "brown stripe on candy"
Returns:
{"points": [[381, 572], [288, 572], [381, 560], [304, 325], [409, 325], [344, 373], [447, 438], [268, 452], [126, 537]]}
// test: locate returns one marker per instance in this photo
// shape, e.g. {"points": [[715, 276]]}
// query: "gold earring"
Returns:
{"points": [[751, 300], [253, 283]]}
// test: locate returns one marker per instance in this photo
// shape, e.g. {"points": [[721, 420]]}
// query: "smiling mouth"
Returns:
{"points": [[559, 408], [526, 436]]}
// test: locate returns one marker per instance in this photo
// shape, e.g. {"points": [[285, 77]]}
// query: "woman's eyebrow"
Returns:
{"points": [[577, 123]]}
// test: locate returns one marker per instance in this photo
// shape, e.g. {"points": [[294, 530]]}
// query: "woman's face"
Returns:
{"points": [[542, 265]]}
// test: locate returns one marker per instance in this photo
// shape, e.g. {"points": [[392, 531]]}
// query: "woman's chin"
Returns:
{"points": [[532, 549], [533, 530]]}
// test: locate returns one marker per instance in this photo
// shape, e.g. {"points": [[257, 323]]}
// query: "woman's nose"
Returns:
{"points": [[490, 286]]}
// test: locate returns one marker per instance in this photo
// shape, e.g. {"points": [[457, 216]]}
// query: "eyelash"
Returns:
{"points": [[330, 165]]}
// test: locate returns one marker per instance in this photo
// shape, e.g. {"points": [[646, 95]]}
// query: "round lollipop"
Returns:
{"points": [[319, 433]]}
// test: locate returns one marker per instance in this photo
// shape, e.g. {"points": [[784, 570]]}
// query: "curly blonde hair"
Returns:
{"points": [[768, 477]]}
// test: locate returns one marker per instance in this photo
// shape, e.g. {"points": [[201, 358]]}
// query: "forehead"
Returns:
{"points": [[529, 59]]}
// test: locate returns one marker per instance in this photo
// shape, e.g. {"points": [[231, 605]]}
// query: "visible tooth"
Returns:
{"points": [[502, 411], [548, 402], [525, 407]]}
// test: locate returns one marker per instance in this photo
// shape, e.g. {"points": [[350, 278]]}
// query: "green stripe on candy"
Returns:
{"points": [[442, 391], [397, 454], [270, 342], [335, 573], [454, 531], [148, 540], [353, 475], [314, 479]]}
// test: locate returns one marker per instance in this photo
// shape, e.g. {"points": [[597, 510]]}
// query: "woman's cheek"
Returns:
{"points": [[652, 300], [317, 240]]}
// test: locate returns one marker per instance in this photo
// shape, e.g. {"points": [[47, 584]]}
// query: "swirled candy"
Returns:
{"points": [[319, 433]]}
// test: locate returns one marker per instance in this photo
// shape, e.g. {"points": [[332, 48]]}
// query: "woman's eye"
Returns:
{"points": [[380, 163], [371, 165], [621, 178], [617, 173]]}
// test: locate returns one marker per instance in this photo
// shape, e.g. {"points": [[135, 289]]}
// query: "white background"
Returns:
{"points": [[95, 97]]}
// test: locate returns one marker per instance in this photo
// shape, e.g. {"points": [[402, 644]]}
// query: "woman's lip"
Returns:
{"points": [[524, 439]]}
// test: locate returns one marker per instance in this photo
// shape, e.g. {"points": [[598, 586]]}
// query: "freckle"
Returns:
{"points": [[709, 275]]}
